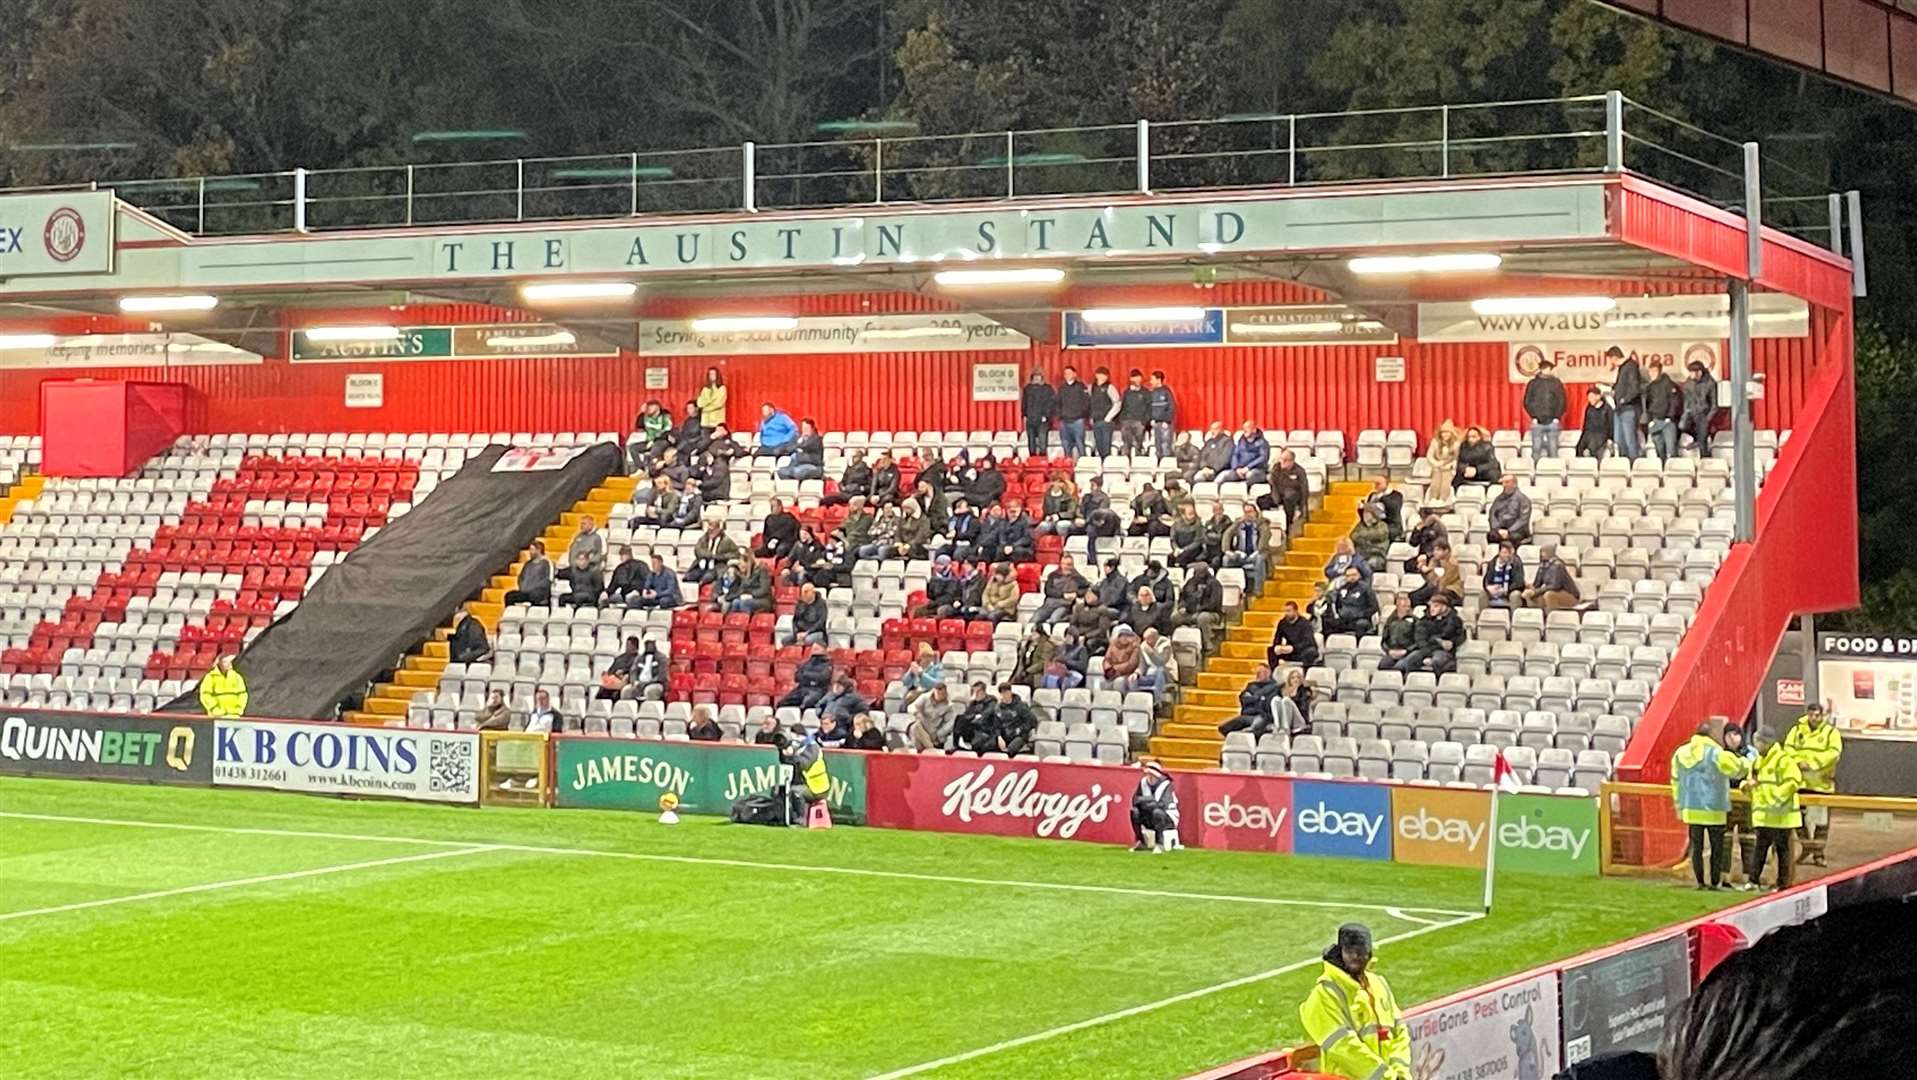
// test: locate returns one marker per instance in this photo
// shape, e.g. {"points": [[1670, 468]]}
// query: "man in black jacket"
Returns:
{"points": [[779, 533], [974, 729], [1627, 403], [1595, 431], [588, 582], [1202, 604], [1544, 403], [1293, 640], [855, 480], [1156, 578], [1700, 407], [468, 642], [942, 591], [1149, 612], [1352, 606], [1163, 412], [1663, 404], [1254, 704], [1134, 412], [1013, 723], [1074, 411], [1289, 490], [1061, 587], [885, 481], [808, 618], [810, 680], [808, 454], [1214, 456], [1438, 636], [1038, 403], [1114, 589], [628, 578]]}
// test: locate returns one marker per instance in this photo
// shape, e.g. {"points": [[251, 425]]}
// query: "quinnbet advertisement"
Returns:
{"points": [[102, 746]]}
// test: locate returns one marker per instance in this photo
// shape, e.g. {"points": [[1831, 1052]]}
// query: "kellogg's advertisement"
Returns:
{"points": [[1002, 798]]}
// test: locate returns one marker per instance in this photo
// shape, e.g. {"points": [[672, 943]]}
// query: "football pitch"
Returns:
{"points": [[197, 933]]}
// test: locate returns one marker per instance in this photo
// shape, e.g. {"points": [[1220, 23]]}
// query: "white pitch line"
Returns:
{"points": [[1400, 913], [1151, 1006], [747, 864], [216, 886]]}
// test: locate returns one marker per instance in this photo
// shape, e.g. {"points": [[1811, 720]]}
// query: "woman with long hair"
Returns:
{"points": [[1442, 453], [712, 400]]}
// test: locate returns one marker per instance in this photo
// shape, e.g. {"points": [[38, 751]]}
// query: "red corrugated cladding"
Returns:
{"points": [[1657, 218]]}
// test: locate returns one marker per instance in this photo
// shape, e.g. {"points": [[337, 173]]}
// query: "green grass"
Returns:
{"points": [[739, 962]]}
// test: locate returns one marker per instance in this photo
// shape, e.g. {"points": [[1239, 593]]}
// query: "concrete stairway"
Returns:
{"points": [[1190, 739], [420, 670]]}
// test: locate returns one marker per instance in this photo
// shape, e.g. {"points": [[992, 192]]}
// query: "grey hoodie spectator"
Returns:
{"points": [[1510, 513], [588, 541], [1214, 456], [535, 578]]}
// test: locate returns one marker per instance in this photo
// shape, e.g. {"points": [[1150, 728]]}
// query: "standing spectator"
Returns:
{"points": [[933, 717], [712, 400], [1510, 513], [1290, 489], [1663, 404], [778, 435], [588, 583], [1154, 811], [1062, 586], [1701, 777], [1163, 412], [1699, 407], [1742, 842], [1247, 546], [808, 454], [1436, 639], [535, 578], [1038, 403], [1201, 603], [468, 642], [1250, 456], [808, 617], [1544, 403], [1553, 589], [779, 534], [223, 690], [1351, 607], [1477, 459], [1400, 633], [1504, 576], [660, 589], [544, 719], [1254, 705], [627, 578], [1134, 412], [1442, 455], [1776, 810], [1371, 537], [588, 541], [1292, 640], [1214, 455], [711, 553], [1000, 597], [1074, 409], [1104, 410], [1817, 746], [1595, 431], [809, 680], [1627, 402]]}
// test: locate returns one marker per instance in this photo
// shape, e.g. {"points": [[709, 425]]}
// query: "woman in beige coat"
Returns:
{"points": [[1442, 453]]}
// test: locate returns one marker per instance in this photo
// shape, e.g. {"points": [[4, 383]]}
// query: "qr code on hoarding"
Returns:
{"points": [[449, 765]]}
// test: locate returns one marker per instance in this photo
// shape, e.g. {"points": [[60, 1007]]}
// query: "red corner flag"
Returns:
{"points": [[1507, 780]]}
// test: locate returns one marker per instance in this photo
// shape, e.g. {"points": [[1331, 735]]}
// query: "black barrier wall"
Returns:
{"points": [[106, 746]]}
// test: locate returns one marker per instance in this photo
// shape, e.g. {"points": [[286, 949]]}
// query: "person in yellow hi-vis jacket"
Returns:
{"points": [[223, 690], [1701, 775], [1775, 809], [1816, 745], [1352, 1016]]}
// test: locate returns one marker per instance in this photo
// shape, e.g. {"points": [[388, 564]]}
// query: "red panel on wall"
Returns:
{"points": [[1790, 29], [1719, 18], [1903, 59], [1857, 42]]}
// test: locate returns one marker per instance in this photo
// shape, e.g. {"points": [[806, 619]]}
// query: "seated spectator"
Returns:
{"points": [[1594, 433], [1371, 537], [933, 717], [972, 728], [728, 588], [925, 672], [544, 719], [885, 480], [613, 680], [778, 435], [1291, 707], [1429, 533], [1015, 541], [1060, 589], [1214, 455], [756, 589], [933, 504], [1058, 676], [702, 727], [882, 535], [832, 730], [843, 701], [1504, 577], [856, 529], [628, 578], [1290, 490], [1400, 633], [1554, 589], [808, 618], [1156, 578], [1013, 723], [1442, 455], [1201, 603], [659, 589], [988, 484], [1510, 514], [1250, 456], [971, 595], [1059, 512], [779, 534], [1439, 634], [1344, 554], [587, 581], [1188, 538], [913, 534], [535, 578], [1123, 656], [1001, 593], [1158, 666], [932, 471], [1477, 459], [1074, 653], [1176, 497], [1114, 589], [865, 736], [943, 592], [468, 642], [1248, 547], [1441, 577], [1254, 705], [1096, 517], [1293, 640], [646, 681], [1351, 607], [1390, 506], [855, 480], [1184, 455], [690, 437], [769, 733], [653, 426], [1033, 654], [1151, 514], [808, 454], [810, 680], [690, 509], [1147, 612], [659, 502], [588, 541], [494, 715], [961, 529]]}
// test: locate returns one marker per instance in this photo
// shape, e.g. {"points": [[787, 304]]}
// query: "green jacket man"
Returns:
{"points": [[1352, 1016]]}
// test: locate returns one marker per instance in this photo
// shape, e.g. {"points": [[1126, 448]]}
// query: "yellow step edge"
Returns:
{"points": [[424, 680], [437, 650], [434, 664], [386, 706]]}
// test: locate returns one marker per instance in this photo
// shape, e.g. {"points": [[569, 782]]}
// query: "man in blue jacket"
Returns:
{"points": [[660, 588], [1250, 456], [778, 435], [1164, 410], [1701, 775]]}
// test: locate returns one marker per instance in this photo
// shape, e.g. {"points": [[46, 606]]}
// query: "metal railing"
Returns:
{"points": [[1593, 133]]}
